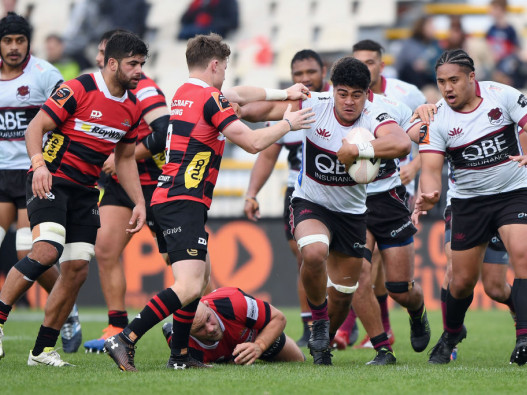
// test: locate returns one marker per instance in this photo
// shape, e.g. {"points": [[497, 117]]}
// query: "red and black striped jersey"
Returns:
{"points": [[90, 122], [150, 97], [195, 143], [241, 318]]}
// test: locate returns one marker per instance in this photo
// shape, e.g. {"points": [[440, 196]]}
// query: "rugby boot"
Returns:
{"points": [[121, 352], [71, 332], [420, 332], [185, 362], [384, 357], [319, 345], [97, 345], [354, 335], [1, 337], [519, 354], [49, 357], [340, 341], [442, 351]]}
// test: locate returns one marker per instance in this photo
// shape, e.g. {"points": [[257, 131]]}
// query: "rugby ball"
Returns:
{"points": [[363, 171]]}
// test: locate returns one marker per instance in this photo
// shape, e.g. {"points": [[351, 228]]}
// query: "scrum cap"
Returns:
{"points": [[14, 24]]}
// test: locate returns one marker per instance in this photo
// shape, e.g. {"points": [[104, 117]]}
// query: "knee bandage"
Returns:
{"points": [[24, 239], [51, 232], [2, 235], [342, 288], [77, 251], [306, 240], [399, 287], [30, 268]]}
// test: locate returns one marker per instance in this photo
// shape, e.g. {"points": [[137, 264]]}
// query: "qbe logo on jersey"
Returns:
{"points": [[324, 167]]}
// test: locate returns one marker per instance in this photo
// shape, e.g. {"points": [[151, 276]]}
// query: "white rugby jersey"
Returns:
{"points": [[323, 179], [388, 177], [20, 100], [411, 96], [478, 144], [292, 141]]}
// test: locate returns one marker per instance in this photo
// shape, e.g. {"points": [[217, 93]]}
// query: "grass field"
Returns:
{"points": [[482, 367]]}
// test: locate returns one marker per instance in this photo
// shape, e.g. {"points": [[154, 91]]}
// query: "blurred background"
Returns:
{"points": [[263, 36]]}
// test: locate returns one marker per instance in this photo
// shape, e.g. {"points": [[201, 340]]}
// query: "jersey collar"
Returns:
{"points": [[197, 81], [101, 84]]}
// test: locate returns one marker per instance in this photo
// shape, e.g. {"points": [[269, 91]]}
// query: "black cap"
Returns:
{"points": [[14, 24]]}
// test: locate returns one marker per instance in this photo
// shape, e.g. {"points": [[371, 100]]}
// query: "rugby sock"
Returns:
{"points": [[118, 318], [159, 307], [381, 341], [181, 329], [349, 322], [4, 312], [455, 312], [519, 295], [385, 315], [319, 312], [47, 337], [443, 306], [307, 319], [416, 313]]}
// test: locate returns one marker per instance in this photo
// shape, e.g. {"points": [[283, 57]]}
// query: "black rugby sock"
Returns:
{"points": [[159, 307], [519, 296], [47, 337], [4, 312], [455, 311], [118, 318], [182, 323]]}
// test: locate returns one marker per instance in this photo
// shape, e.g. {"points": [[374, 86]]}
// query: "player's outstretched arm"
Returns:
{"points": [[126, 168], [254, 141], [262, 169], [35, 131], [247, 353], [429, 181], [247, 94]]}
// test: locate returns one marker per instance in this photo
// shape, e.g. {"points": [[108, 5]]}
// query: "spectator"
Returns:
{"points": [[456, 38], [504, 46], [55, 55], [209, 16], [420, 51]]}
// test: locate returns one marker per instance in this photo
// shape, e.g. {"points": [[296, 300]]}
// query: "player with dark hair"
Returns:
{"points": [[201, 119], [306, 68], [232, 326], [328, 210], [26, 82], [89, 117], [475, 127], [115, 206], [392, 236]]}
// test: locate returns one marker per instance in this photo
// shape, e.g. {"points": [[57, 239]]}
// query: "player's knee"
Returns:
{"points": [[77, 251], [24, 239], [344, 289], [314, 248], [31, 269], [51, 233], [494, 290], [399, 287]]}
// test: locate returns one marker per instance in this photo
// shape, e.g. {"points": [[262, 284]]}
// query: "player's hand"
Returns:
{"points": [[109, 165], [138, 219], [246, 353], [425, 201], [297, 92], [237, 109], [42, 180], [521, 159], [252, 209], [347, 153], [299, 119], [425, 112], [415, 215], [407, 174]]}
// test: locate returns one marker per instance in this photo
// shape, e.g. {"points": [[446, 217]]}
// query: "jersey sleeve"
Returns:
{"points": [[516, 104], [379, 117], [49, 79], [217, 111], [150, 96], [257, 313], [63, 103], [430, 140]]}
